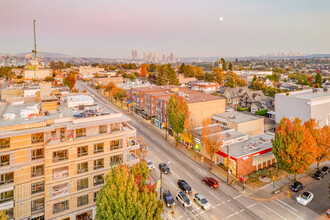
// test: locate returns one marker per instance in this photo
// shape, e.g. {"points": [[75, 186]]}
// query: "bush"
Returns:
{"points": [[253, 175], [240, 109], [261, 112]]}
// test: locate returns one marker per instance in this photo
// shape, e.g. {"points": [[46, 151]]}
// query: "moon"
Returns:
{"points": [[221, 18]]}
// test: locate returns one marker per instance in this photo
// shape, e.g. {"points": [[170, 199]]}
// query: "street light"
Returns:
{"points": [[273, 184]]}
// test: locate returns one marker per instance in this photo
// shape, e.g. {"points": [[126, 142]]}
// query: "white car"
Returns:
{"points": [[183, 199], [201, 201], [150, 165], [305, 198]]}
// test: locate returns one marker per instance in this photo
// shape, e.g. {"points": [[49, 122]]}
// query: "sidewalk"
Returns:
{"points": [[261, 194]]}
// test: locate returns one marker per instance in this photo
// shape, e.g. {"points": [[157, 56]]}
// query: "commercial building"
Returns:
{"points": [[243, 122], [36, 74], [53, 157], [306, 104], [104, 80], [88, 72]]}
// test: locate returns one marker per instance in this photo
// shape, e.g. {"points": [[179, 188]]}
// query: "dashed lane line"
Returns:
{"points": [[237, 197], [272, 211], [288, 210], [287, 205]]}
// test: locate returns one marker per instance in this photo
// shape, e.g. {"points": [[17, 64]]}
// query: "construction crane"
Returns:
{"points": [[35, 49]]}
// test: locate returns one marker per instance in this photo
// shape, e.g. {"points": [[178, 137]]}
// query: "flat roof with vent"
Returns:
{"points": [[251, 146], [309, 94], [236, 117]]}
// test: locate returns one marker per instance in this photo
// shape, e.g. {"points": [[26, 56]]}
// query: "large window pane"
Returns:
{"points": [[37, 187], [37, 206], [60, 190], [98, 180], [37, 171], [102, 129], [59, 173], [4, 143], [82, 167], [4, 160], [82, 151], [98, 148], [82, 200], [82, 184], [81, 132], [37, 154], [60, 207], [6, 196], [6, 178], [99, 163], [60, 155], [114, 145], [37, 138], [115, 160]]}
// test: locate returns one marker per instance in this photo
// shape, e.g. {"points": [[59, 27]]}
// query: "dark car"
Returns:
{"points": [[168, 198], [211, 182], [296, 186], [78, 115], [318, 175], [326, 169], [164, 168], [184, 186]]}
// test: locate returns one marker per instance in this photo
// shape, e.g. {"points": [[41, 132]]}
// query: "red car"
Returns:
{"points": [[211, 182]]}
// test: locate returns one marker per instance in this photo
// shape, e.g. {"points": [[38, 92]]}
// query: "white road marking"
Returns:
{"points": [[272, 211], [183, 211], [190, 176], [214, 195], [228, 200], [287, 205], [231, 215], [169, 161], [237, 197], [288, 210], [156, 149], [173, 185], [252, 205], [202, 171], [180, 216]]}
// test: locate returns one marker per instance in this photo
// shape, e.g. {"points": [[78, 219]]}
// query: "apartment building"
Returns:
{"points": [[53, 160]]}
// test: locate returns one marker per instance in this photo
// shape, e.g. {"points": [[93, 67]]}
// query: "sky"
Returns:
{"points": [[187, 28]]}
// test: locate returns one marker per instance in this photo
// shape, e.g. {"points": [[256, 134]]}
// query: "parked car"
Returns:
{"points": [[184, 186], [78, 115], [211, 182], [201, 201], [164, 168], [318, 175], [150, 164], [305, 198], [183, 199], [296, 186], [169, 201], [326, 169]]}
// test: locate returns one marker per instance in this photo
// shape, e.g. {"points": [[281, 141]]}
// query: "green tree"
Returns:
{"points": [[177, 113], [172, 76], [232, 80], [183, 69], [121, 94], [125, 195], [219, 75], [209, 77], [318, 80], [191, 71], [230, 67], [200, 75], [49, 79], [52, 65], [162, 76], [294, 146], [152, 68], [253, 80], [69, 81], [224, 64]]}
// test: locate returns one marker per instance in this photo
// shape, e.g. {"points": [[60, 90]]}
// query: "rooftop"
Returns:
{"points": [[155, 88], [196, 97], [235, 117], [308, 94], [250, 146]]}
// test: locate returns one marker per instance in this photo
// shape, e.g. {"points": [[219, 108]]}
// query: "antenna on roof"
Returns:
{"points": [[35, 47]]}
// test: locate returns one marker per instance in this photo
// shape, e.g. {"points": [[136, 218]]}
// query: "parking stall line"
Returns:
{"points": [[288, 210], [287, 205]]}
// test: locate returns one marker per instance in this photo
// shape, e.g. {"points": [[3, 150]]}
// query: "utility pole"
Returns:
{"points": [[35, 49], [161, 184], [228, 163]]}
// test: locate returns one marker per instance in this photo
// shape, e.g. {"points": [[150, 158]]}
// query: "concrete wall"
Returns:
{"points": [[202, 110], [106, 81], [40, 74], [252, 128], [10, 93]]}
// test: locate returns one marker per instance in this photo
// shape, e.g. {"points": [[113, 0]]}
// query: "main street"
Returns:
{"points": [[227, 202]]}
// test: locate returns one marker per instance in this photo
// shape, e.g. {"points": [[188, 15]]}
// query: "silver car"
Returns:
{"points": [[305, 198], [150, 165], [201, 201]]}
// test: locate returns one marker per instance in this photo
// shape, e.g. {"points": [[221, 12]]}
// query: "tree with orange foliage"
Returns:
{"points": [[143, 70], [177, 114], [219, 76], [212, 138], [294, 146], [69, 81], [322, 137], [109, 88]]}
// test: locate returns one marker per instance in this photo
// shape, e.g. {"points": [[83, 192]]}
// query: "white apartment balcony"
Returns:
{"points": [[131, 159], [133, 144]]}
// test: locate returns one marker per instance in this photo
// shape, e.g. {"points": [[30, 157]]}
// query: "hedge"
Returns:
{"points": [[261, 112]]}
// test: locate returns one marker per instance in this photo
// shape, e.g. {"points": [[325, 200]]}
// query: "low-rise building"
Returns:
{"points": [[305, 104], [104, 80], [36, 74], [243, 122], [207, 87]]}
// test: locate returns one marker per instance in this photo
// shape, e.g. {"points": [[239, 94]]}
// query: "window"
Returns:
{"points": [[82, 151], [115, 160], [4, 160], [6, 178], [95, 196], [60, 207], [82, 167], [82, 200], [98, 180], [37, 138], [37, 154], [39, 218], [4, 143], [99, 163], [37, 171], [98, 148], [81, 132], [6, 196], [114, 145], [37, 205], [102, 129], [37, 187], [115, 127], [82, 184], [60, 190], [60, 155], [59, 173]]}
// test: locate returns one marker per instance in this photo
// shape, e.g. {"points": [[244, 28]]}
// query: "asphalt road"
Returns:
{"points": [[226, 202]]}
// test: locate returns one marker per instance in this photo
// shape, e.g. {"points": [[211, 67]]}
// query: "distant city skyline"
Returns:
{"points": [[185, 28]]}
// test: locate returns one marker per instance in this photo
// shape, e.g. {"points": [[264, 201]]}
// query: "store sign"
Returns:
{"points": [[257, 154], [244, 158]]}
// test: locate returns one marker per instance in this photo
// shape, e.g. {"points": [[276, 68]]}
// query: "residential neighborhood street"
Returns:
{"points": [[226, 202]]}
